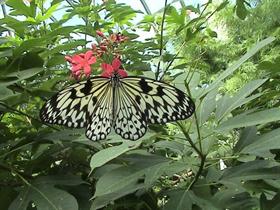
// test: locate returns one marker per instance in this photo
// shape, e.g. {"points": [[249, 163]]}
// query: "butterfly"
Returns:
{"points": [[125, 104]]}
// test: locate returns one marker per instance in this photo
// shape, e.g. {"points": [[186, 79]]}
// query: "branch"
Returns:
{"points": [[161, 39]]}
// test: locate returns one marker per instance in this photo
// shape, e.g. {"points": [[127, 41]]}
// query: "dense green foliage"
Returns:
{"points": [[226, 156]]}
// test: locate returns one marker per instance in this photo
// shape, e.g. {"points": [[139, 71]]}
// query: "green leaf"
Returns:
{"points": [[222, 5], [241, 10], [227, 104], [207, 106], [66, 135], [234, 198], [271, 66], [64, 47], [253, 170], [247, 137], [46, 196], [263, 143], [19, 75], [47, 13], [65, 31], [237, 64], [104, 200], [6, 53], [17, 25], [154, 172], [5, 92], [105, 155], [184, 200], [30, 44], [119, 178], [179, 200], [7, 195], [19, 8], [255, 118]]}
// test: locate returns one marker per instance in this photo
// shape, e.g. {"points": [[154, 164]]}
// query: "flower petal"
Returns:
{"points": [[68, 58], [88, 54], [107, 67], [76, 67], [106, 74], [92, 60], [77, 59], [116, 64], [122, 73], [87, 70], [100, 33]]}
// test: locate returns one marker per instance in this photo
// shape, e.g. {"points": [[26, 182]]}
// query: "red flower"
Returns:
{"points": [[100, 33], [109, 70], [81, 62]]}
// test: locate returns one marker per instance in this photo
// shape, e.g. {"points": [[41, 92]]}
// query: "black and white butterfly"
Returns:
{"points": [[126, 104]]}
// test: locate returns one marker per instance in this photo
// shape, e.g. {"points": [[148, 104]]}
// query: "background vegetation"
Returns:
{"points": [[225, 54]]}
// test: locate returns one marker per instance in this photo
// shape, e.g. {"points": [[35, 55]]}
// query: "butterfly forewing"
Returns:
{"points": [[159, 101], [74, 105]]}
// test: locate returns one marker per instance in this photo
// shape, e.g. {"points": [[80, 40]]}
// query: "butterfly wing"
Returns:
{"points": [[129, 121], [159, 101], [100, 120], [79, 105]]}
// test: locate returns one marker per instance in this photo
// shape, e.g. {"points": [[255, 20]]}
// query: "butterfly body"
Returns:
{"points": [[126, 104]]}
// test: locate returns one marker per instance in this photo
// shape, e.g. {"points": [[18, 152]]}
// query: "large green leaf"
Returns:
{"points": [[179, 200], [207, 106], [31, 44], [5, 93], [228, 104], [241, 10], [253, 170], [118, 179], [105, 155], [64, 47], [184, 200], [43, 193], [48, 13], [104, 200], [233, 198], [21, 9], [255, 118], [19, 75], [263, 143], [247, 137]]}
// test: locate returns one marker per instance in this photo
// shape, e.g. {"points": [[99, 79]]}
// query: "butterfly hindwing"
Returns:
{"points": [[100, 120], [159, 101], [130, 122]]}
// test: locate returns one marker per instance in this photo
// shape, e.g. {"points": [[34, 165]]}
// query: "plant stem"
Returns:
{"points": [[196, 119], [198, 151], [147, 9], [187, 136], [203, 158], [161, 39]]}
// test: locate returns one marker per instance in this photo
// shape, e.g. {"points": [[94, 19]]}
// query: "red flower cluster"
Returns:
{"points": [[81, 63], [108, 45]]}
